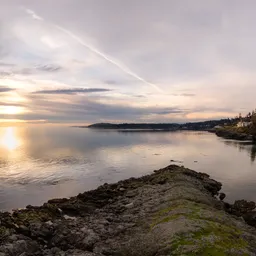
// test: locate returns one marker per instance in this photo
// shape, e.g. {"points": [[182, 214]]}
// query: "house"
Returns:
{"points": [[243, 124]]}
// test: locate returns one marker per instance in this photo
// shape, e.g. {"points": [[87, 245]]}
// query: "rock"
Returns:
{"points": [[241, 207], [176, 161], [173, 211], [129, 206], [90, 239], [80, 253], [13, 238], [42, 230], [58, 201], [24, 230], [131, 193], [32, 207], [212, 186], [222, 196], [49, 223], [19, 247], [250, 218], [233, 134], [67, 217]]}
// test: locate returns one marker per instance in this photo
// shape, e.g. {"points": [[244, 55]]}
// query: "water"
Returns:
{"points": [[40, 163]]}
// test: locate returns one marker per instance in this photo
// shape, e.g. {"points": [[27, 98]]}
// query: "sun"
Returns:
{"points": [[10, 110]]}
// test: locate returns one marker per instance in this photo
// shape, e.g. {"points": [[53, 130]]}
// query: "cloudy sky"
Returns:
{"points": [[85, 61]]}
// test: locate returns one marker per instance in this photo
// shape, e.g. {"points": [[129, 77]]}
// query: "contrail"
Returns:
{"points": [[96, 51]]}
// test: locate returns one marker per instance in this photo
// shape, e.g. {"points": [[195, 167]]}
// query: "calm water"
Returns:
{"points": [[39, 163]]}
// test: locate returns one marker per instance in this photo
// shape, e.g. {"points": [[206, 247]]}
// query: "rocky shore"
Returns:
{"points": [[174, 211], [234, 135]]}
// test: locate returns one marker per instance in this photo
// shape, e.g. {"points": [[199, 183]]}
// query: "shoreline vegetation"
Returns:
{"points": [[173, 211]]}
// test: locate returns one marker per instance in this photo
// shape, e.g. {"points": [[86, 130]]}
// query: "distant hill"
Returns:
{"points": [[206, 125]]}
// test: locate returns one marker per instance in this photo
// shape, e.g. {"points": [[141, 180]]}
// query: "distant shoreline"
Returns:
{"points": [[156, 127], [127, 130]]}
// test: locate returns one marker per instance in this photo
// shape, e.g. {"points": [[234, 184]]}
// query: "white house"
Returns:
{"points": [[243, 124]]}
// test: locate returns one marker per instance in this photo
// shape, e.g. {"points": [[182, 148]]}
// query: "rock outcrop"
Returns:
{"points": [[174, 211], [234, 135]]}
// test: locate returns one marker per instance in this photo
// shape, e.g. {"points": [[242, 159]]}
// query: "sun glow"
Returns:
{"points": [[9, 139], [11, 110]]}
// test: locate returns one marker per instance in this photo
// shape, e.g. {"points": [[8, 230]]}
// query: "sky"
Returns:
{"points": [[87, 61]]}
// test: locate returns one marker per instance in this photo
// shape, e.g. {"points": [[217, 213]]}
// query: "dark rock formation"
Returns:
{"points": [[173, 211], [230, 134], [222, 196]]}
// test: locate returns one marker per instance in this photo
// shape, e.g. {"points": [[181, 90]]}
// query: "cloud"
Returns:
{"points": [[4, 74], [139, 96], [111, 82], [10, 70], [6, 64], [11, 104], [5, 89], [33, 14], [49, 68], [184, 94], [188, 94], [72, 91], [90, 108], [202, 57]]}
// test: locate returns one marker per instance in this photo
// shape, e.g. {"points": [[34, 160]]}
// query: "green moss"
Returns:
{"points": [[214, 239], [32, 216], [165, 215], [167, 219], [208, 252]]}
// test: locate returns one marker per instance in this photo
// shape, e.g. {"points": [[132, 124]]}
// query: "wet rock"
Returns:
{"points": [[176, 161]]}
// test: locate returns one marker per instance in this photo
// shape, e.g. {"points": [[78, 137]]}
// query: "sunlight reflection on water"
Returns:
{"points": [[9, 139]]}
